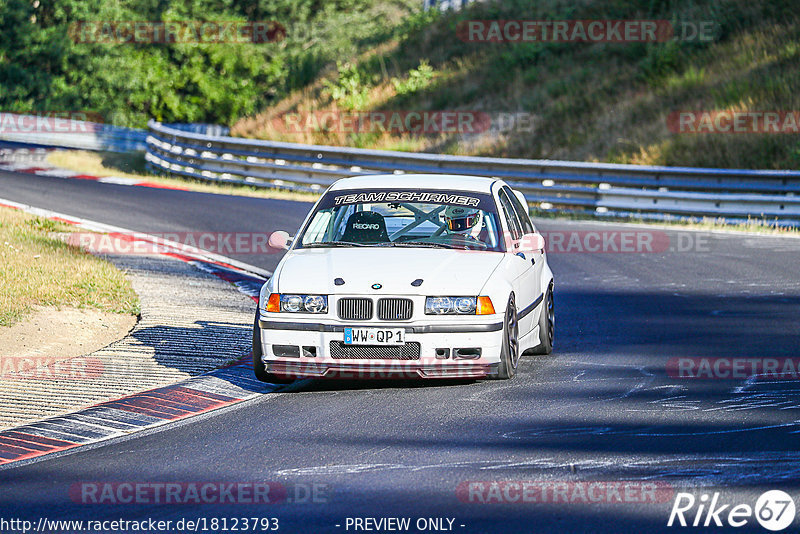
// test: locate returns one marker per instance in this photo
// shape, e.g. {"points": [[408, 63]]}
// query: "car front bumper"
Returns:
{"points": [[445, 350]]}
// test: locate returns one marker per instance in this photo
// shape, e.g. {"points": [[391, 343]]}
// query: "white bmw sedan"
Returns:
{"points": [[399, 276]]}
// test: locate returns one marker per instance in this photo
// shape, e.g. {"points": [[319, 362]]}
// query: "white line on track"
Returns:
{"points": [[194, 252]]}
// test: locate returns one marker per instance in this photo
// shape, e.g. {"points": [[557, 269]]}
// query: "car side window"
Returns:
{"points": [[522, 212], [511, 216]]}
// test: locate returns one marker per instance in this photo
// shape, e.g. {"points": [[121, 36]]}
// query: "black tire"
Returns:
{"points": [[509, 354], [259, 368], [547, 324]]}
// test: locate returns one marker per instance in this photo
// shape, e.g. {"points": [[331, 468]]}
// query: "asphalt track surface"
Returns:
{"points": [[602, 408]]}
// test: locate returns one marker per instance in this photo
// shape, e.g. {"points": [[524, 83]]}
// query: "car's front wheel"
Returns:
{"points": [[259, 367], [509, 354]]}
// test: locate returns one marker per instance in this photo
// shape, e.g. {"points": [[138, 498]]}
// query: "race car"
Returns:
{"points": [[401, 276]]}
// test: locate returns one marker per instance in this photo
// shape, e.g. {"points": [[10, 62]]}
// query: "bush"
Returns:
{"points": [[43, 69], [418, 79], [350, 90]]}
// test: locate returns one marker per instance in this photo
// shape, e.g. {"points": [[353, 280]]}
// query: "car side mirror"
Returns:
{"points": [[533, 242], [280, 240]]}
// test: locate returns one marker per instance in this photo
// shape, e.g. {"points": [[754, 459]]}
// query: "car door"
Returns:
{"points": [[522, 267]]}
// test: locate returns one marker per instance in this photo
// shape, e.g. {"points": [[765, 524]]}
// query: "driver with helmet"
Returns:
{"points": [[463, 221]]}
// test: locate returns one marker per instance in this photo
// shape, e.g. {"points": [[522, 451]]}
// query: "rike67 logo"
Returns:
{"points": [[774, 510]]}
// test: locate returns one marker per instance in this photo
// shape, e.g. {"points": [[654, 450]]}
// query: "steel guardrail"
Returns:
{"points": [[189, 150], [84, 135], [654, 191], [66, 133]]}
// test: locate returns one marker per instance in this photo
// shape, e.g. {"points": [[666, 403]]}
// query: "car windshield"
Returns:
{"points": [[404, 218]]}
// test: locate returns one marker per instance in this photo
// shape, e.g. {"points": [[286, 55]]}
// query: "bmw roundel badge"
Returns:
{"points": [[376, 286]]}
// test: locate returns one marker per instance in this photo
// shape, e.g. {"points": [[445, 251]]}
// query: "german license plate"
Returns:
{"points": [[374, 336]]}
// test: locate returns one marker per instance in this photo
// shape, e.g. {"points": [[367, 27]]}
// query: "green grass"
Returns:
{"points": [[37, 269], [751, 225]]}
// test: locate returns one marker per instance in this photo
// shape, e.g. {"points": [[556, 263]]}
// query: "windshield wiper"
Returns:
{"points": [[412, 244], [335, 244]]}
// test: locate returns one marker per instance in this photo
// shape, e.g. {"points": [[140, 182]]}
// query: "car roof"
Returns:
{"points": [[473, 184]]}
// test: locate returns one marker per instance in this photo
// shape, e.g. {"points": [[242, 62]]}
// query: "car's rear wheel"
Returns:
{"points": [[259, 367], [547, 324], [509, 354]]}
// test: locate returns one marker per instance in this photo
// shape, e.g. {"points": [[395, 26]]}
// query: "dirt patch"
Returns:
{"points": [[58, 334]]}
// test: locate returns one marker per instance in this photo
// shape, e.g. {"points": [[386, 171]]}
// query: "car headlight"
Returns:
{"points": [[297, 303], [458, 306], [315, 303]]}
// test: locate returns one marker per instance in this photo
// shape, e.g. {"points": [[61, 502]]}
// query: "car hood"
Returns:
{"points": [[444, 272]]}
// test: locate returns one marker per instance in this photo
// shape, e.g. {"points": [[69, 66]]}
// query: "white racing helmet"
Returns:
{"points": [[463, 220]]}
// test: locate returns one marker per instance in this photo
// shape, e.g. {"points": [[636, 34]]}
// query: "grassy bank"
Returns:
{"points": [[37, 269], [587, 101]]}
